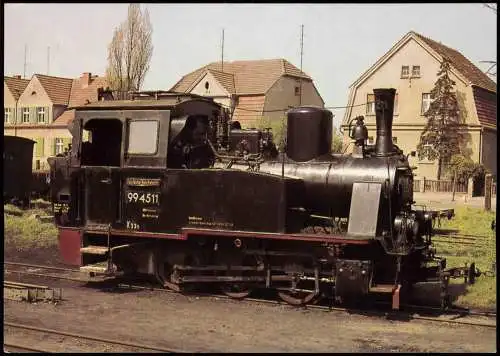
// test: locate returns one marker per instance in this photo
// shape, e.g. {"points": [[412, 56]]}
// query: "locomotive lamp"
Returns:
{"points": [[359, 134]]}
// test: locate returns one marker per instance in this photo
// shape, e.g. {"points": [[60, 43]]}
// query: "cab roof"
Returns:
{"points": [[164, 101]]}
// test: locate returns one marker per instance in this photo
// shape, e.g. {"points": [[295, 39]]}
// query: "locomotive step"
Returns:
{"points": [[95, 250], [98, 268]]}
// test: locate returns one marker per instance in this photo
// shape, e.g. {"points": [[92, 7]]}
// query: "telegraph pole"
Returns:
{"points": [[48, 60], [25, 49], [301, 55], [222, 51]]}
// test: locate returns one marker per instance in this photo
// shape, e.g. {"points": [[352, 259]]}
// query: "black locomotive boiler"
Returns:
{"points": [[167, 188]]}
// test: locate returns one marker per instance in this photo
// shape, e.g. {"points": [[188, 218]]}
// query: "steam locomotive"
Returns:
{"points": [[172, 189]]}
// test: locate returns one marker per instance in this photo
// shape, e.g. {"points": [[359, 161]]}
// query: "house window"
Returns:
{"points": [[427, 149], [405, 71], [26, 115], [370, 104], [7, 115], [297, 90], [370, 140], [40, 115], [59, 146], [415, 71], [426, 102]]}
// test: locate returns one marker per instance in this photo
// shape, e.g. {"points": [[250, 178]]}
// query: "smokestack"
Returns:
{"points": [[384, 109]]}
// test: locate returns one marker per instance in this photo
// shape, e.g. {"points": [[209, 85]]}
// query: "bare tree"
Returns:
{"points": [[130, 51]]}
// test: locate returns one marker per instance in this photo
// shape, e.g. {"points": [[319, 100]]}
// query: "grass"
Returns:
{"points": [[24, 231], [481, 251]]}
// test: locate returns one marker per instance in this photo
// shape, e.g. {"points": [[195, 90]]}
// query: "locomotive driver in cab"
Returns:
{"points": [[190, 148]]}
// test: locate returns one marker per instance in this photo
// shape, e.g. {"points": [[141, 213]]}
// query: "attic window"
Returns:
{"points": [[207, 85], [33, 93], [415, 71], [405, 71]]}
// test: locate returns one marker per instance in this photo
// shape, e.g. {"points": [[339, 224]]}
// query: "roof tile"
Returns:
{"points": [[462, 64], [58, 89], [250, 77], [486, 107], [249, 110], [65, 118], [16, 85], [81, 93]]}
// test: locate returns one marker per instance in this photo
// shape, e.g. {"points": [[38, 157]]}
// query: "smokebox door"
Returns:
{"points": [[365, 203]]}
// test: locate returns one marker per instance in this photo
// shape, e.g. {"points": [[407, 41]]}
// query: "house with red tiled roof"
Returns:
{"points": [[40, 112], [13, 87], [411, 67], [252, 89]]}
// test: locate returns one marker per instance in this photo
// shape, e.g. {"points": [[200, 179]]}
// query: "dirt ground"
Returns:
{"points": [[218, 325], [41, 256]]}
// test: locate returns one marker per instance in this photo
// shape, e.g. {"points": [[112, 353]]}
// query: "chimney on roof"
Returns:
{"points": [[17, 76], [86, 79]]}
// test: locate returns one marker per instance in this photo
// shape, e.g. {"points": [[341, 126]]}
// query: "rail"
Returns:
{"points": [[453, 312], [80, 336]]}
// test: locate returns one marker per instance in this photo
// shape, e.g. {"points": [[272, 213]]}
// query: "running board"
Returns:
{"points": [[94, 250]]}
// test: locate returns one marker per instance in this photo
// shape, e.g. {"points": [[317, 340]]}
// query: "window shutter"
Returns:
{"points": [[53, 149], [17, 118], [35, 146], [33, 115], [67, 141], [39, 146]]}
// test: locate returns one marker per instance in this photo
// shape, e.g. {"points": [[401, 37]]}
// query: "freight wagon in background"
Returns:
{"points": [[21, 182], [17, 169]]}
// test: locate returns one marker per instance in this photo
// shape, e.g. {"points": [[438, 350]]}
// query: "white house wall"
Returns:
{"points": [[214, 88]]}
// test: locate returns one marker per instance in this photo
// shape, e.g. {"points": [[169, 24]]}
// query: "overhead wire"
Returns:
{"points": [[288, 108]]}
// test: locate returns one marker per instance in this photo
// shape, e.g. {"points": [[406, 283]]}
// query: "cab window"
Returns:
{"points": [[142, 137]]}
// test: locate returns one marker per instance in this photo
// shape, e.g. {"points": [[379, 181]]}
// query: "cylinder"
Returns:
{"points": [[384, 110], [309, 133]]}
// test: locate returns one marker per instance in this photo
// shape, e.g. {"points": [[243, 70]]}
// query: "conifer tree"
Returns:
{"points": [[442, 137]]}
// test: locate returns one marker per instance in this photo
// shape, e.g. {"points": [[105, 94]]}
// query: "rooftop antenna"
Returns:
{"points": [[301, 55], [222, 51], [493, 65], [25, 49], [48, 60]]}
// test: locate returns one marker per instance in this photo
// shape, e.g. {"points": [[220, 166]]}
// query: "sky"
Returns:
{"points": [[341, 41]]}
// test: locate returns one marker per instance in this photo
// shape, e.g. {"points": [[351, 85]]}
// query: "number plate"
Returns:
{"points": [[142, 208], [142, 197]]}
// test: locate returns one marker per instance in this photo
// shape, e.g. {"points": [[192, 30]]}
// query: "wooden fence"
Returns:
{"points": [[438, 186]]}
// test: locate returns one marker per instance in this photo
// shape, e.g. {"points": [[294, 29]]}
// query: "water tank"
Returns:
{"points": [[309, 133]]}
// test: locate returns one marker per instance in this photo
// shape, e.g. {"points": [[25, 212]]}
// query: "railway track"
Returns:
{"points": [[450, 316], [96, 341]]}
